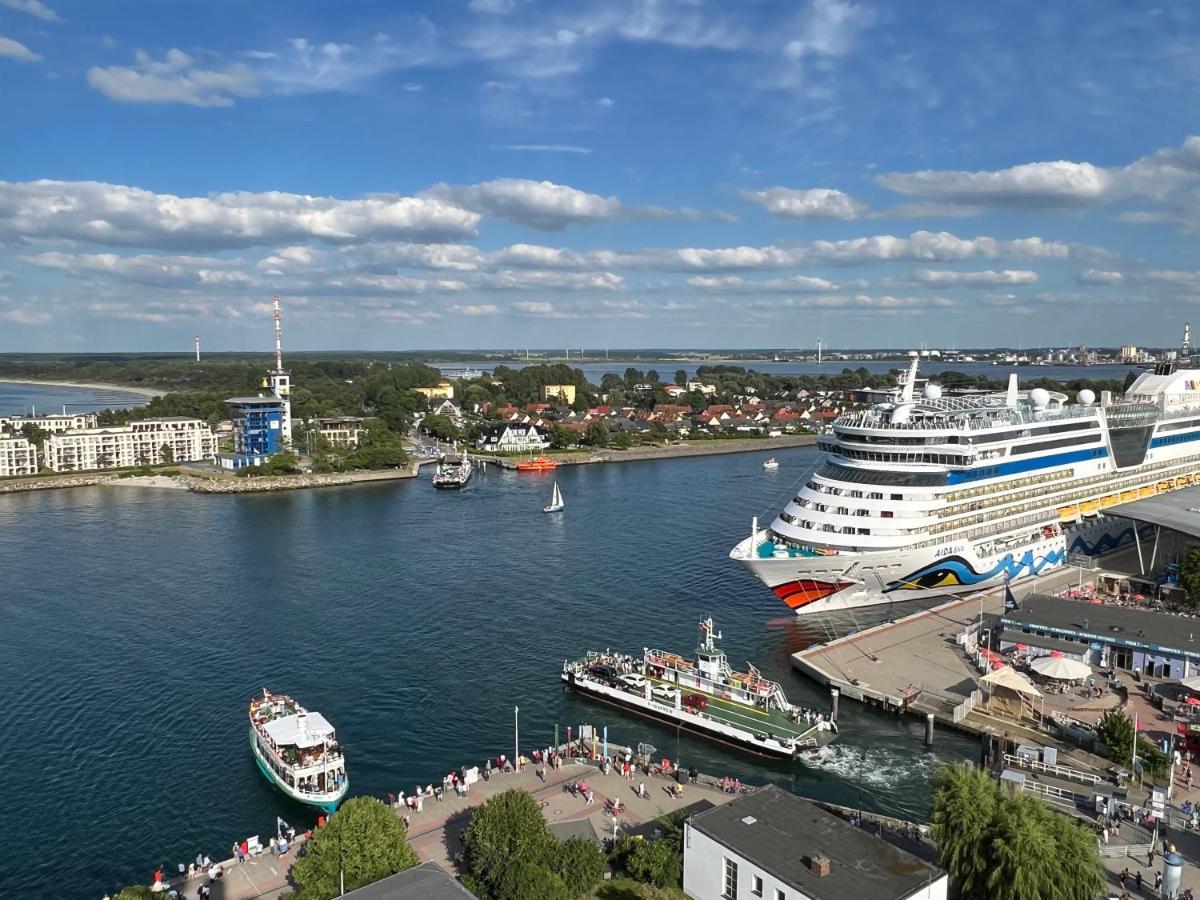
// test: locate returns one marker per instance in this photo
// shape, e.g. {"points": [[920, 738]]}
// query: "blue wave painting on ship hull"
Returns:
{"points": [[954, 571]]}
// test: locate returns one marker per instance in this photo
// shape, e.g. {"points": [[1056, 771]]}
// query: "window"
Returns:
{"points": [[779, 894], [756, 888], [730, 891]]}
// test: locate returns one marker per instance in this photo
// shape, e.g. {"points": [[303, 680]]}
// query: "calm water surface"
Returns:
{"points": [[23, 397], [135, 625]]}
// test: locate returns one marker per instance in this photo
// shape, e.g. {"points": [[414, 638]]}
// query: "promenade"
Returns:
{"points": [[435, 832]]}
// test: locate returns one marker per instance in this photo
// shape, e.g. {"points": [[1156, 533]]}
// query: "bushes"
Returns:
{"points": [[364, 840]]}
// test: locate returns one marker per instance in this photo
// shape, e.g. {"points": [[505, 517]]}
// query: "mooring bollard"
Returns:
{"points": [[928, 729], [834, 693]]}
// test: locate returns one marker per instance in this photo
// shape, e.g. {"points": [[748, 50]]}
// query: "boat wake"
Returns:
{"points": [[879, 767]]}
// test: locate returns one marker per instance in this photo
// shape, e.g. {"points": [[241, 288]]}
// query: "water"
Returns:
{"points": [[18, 398], [135, 625], [666, 369]]}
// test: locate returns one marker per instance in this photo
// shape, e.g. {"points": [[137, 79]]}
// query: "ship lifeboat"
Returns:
{"points": [[1110, 500], [1183, 481], [1147, 491], [1164, 486], [1129, 496], [1089, 507], [1068, 513]]}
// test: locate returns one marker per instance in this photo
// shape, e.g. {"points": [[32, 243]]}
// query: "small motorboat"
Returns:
{"points": [[771, 464], [556, 501]]}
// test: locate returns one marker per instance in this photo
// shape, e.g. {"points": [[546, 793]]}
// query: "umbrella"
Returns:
{"points": [[1055, 654], [1022, 647], [1060, 668], [1193, 701], [1192, 682]]}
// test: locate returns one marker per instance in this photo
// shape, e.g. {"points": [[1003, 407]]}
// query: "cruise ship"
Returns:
{"points": [[928, 492]]}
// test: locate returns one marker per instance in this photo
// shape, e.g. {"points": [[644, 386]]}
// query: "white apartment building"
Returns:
{"points": [[53, 424], [773, 845], [17, 457], [139, 443]]}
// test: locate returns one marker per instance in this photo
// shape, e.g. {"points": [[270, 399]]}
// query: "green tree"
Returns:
{"points": [[283, 463], [136, 892], [656, 862], [681, 378], [34, 435], [166, 455], [1189, 579], [364, 840], [560, 437], [1115, 731], [440, 427], [579, 863], [1000, 846], [524, 880], [623, 440], [378, 448], [596, 434], [508, 829]]}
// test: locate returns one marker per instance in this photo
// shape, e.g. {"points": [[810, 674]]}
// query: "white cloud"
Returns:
{"points": [[1098, 276], [816, 203], [494, 7], [174, 79], [737, 284], [548, 148], [538, 257], [116, 215], [538, 204], [34, 7], [606, 102], [535, 308], [147, 269], [15, 50], [531, 279], [475, 309], [1057, 185], [987, 278]]}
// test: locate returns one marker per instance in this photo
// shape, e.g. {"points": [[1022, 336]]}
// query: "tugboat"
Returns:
{"points": [[297, 751], [453, 475], [704, 696], [540, 464]]}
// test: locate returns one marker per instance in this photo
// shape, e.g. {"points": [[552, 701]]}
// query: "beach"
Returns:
{"points": [[88, 385]]}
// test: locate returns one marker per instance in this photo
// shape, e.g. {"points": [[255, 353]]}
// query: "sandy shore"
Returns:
{"points": [[88, 385]]}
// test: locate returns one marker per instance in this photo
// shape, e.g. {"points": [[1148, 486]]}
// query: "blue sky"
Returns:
{"points": [[626, 173]]}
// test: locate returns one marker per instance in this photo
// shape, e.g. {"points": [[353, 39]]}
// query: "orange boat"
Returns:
{"points": [[540, 464]]}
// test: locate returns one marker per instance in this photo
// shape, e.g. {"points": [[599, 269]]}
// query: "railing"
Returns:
{"points": [[1058, 771]]}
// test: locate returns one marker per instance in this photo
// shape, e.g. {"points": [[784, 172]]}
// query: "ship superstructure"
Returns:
{"points": [[927, 492]]}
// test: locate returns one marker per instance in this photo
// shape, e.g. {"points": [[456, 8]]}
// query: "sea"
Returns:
{"points": [[137, 623], [25, 398]]}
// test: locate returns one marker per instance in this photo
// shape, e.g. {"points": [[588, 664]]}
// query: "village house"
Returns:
{"points": [[564, 393], [513, 437], [448, 409], [443, 390], [705, 389], [343, 431]]}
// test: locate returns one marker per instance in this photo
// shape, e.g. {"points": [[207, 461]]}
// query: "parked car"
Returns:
{"points": [[634, 680], [695, 701]]}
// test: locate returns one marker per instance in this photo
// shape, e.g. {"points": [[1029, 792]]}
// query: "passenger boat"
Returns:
{"points": [[297, 751], [453, 475], [538, 464], [556, 501], [704, 696], [771, 464], [925, 493]]}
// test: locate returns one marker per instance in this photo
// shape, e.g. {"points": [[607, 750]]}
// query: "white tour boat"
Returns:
{"points": [[297, 751]]}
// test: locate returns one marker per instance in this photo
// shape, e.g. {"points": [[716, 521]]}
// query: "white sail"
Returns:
{"points": [[556, 499]]}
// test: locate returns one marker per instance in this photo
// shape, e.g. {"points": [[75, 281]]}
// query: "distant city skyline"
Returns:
{"points": [[630, 173]]}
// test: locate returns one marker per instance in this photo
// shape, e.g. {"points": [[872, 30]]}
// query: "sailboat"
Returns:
{"points": [[556, 501]]}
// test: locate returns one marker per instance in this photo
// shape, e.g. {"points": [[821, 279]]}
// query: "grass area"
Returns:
{"points": [[628, 889]]}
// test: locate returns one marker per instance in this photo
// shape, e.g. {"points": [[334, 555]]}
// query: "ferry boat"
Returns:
{"points": [[704, 696], [297, 751], [453, 475], [925, 493], [538, 464]]}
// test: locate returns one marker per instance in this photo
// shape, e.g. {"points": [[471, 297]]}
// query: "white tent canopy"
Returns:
{"points": [[1061, 668], [302, 730], [1008, 677], [1192, 682]]}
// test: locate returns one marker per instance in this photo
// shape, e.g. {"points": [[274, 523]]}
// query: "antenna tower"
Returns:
{"points": [[197, 348], [278, 340]]}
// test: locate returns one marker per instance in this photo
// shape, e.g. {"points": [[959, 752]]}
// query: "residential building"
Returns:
{"points": [[257, 430], [443, 390], [448, 409], [564, 393], [17, 457], [706, 389], [773, 845], [53, 424], [140, 443], [513, 437], [343, 431]]}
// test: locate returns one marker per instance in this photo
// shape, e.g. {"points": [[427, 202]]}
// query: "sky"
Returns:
{"points": [[597, 174]]}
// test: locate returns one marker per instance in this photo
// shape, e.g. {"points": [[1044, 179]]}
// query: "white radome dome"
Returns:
{"points": [[1086, 397], [1039, 398], [933, 391]]}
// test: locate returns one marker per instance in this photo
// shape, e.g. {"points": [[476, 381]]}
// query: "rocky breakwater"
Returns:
{"points": [[266, 483], [50, 483]]}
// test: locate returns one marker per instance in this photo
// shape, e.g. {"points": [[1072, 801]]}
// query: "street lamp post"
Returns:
{"points": [[516, 740]]}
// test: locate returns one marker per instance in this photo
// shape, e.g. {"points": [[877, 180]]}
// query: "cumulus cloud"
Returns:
{"points": [[116, 215], [174, 79], [801, 284], [16, 51], [985, 279], [548, 148], [1098, 276], [815, 203], [538, 204], [34, 8], [535, 308], [147, 269], [475, 309], [1057, 185]]}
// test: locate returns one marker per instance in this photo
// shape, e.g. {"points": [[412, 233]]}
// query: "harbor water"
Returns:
{"points": [[23, 398], [136, 623]]}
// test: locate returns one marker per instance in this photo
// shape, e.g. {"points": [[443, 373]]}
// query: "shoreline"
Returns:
{"points": [[148, 393], [676, 451]]}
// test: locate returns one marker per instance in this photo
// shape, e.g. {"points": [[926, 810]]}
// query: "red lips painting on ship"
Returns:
{"points": [[801, 593]]}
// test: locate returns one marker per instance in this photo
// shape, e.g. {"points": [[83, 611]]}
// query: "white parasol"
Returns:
{"points": [[1061, 668]]}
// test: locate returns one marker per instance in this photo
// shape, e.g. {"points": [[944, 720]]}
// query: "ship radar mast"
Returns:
{"points": [[706, 625]]}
